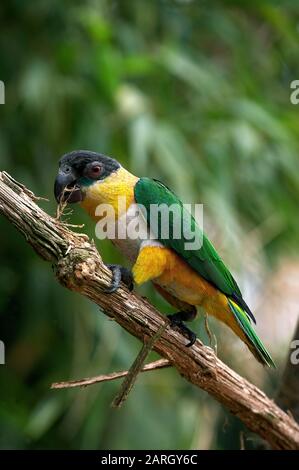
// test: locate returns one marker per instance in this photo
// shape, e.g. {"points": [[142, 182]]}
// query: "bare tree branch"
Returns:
{"points": [[79, 267], [159, 364]]}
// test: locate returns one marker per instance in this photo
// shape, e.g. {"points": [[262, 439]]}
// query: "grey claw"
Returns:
{"points": [[119, 274]]}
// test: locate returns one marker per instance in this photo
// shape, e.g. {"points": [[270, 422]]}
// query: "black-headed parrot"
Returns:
{"points": [[186, 277]]}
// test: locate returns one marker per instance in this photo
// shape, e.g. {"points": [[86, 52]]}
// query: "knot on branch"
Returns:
{"points": [[78, 266]]}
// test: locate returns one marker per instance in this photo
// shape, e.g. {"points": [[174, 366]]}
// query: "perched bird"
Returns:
{"points": [[184, 276]]}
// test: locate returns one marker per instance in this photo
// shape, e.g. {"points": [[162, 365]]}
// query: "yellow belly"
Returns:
{"points": [[184, 283], [180, 280], [169, 271]]}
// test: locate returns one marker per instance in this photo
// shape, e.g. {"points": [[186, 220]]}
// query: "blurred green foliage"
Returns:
{"points": [[195, 94]]}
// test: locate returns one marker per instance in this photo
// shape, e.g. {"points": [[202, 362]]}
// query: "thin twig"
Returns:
{"points": [[159, 364], [211, 335], [136, 367], [63, 202], [61, 208]]}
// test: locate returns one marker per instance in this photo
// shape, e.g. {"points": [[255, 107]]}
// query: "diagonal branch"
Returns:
{"points": [[79, 267], [135, 368]]}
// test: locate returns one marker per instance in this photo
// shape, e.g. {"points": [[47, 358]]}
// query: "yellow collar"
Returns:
{"points": [[119, 184]]}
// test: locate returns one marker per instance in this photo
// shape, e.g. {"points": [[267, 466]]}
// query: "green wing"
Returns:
{"points": [[182, 229]]}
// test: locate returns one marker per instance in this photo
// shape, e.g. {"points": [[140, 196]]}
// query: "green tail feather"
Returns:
{"points": [[254, 343]]}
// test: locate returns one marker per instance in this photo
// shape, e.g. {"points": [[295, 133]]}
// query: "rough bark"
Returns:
{"points": [[79, 267]]}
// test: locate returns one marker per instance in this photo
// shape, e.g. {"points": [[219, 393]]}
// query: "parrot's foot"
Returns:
{"points": [[119, 274], [177, 320]]}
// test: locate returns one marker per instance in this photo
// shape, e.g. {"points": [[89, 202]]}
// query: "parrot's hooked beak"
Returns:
{"points": [[66, 188]]}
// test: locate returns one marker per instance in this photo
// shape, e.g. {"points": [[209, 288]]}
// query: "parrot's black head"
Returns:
{"points": [[79, 169]]}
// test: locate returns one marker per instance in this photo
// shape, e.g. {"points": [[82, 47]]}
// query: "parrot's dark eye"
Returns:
{"points": [[96, 170], [93, 170]]}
